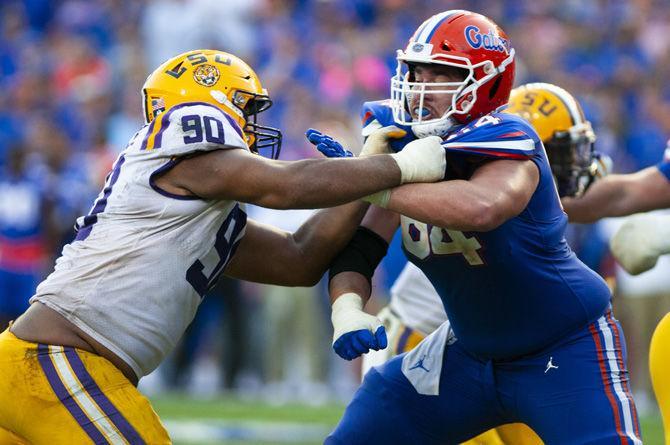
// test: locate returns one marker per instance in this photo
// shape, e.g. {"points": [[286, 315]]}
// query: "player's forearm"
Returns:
{"points": [[454, 204], [326, 182], [606, 197], [321, 237], [349, 282], [620, 195]]}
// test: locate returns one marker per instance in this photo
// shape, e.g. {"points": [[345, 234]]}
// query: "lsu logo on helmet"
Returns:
{"points": [[206, 75]]}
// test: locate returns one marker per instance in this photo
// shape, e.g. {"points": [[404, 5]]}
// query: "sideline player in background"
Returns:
{"points": [[535, 340], [168, 223], [415, 309], [637, 245]]}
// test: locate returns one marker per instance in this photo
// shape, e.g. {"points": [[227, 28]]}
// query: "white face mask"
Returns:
{"points": [[463, 93]]}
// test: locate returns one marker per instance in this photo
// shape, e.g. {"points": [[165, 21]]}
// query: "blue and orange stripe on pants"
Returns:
{"points": [[606, 334]]}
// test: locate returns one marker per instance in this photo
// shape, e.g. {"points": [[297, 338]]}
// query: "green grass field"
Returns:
{"points": [[231, 421]]}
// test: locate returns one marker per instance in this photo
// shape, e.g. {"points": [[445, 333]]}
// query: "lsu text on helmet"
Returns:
{"points": [[566, 134], [219, 79], [460, 39]]}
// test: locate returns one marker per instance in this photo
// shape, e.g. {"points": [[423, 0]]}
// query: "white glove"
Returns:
{"points": [[380, 199], [377, 143], [640, 241], [355, 332], [422, 160]]}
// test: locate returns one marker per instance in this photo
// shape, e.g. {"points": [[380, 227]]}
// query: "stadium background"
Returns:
{"points": [[256, 366]]}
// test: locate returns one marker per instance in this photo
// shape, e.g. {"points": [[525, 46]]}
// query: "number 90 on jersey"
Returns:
{"points": [[423, 240]]}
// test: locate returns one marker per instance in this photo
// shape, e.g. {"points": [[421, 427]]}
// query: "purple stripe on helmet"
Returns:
{"points": [[43, 355], [112, 413]]}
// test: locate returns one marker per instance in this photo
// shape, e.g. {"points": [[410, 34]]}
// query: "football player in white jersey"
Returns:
{"points": [[169, 221]]}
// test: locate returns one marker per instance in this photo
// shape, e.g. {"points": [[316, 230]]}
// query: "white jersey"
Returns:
{"points": [[143, 258], [416, 301]]}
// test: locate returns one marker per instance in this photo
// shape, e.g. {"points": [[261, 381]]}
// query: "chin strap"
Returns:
{"points": [[441, 128]]}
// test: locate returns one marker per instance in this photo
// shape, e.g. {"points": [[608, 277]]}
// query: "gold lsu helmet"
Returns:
{"points": [[566, 134], [219, 79]]}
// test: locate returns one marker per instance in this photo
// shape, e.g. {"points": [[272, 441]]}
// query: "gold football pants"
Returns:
{"points": [[659, 366], [60, 395]]}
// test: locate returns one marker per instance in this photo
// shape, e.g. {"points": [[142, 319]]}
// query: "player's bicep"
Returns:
{"points": [[227, 174], [267, 255], [509, 184]]}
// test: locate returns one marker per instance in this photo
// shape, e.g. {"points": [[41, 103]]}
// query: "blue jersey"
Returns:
{"points": [[518, 288], [21, 224]]}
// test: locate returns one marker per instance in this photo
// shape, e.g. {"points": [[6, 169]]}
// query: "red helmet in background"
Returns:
{"points": [[460, 39]]}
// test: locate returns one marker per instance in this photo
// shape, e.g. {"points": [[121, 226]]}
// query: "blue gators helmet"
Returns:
{"points": [[378, 114]]}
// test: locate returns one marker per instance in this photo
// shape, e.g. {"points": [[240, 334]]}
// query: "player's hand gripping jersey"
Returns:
{"points": [[143, 258], [519, 287]]}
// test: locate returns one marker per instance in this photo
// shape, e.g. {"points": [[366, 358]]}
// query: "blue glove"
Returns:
{"points": [[353, 344], [328, 146], [355, 332]]}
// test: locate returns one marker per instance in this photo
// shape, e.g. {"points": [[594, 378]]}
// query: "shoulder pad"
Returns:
{"points": [[192, 127], [496, 135]]}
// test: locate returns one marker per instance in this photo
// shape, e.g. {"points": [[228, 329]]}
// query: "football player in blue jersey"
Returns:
{"points": [[532, 336]]}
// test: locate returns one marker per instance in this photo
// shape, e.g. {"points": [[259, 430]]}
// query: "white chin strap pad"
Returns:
{"points": [[439, 128]]}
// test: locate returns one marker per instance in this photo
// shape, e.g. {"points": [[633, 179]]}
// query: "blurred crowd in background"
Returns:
{"points": [[70, 79]]}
